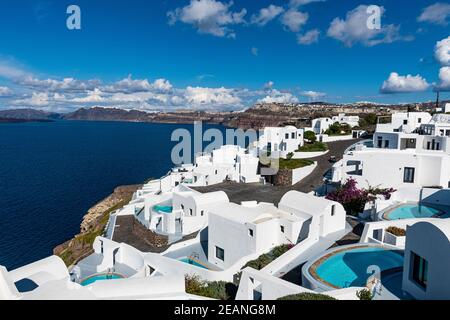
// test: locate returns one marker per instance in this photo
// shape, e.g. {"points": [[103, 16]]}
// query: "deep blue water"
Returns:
{"points": [[52, 173]]}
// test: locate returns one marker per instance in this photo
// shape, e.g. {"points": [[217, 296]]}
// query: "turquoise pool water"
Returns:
{"points": [[100, 277], [348, 268], [193, 262], [163, 209], [408, 211]]}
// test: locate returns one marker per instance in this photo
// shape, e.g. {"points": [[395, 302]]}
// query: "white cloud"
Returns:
{"points": [[5, 92], [404, 84], [92, 96], [298, 3], [209, 16], [353, 29], [294, 20], [266, 15], [162, 85], [309, 37], [66, 84], [211, 97], [254, 51], [37, 99], [313, 95], [437, 13], [276, 96], [268, 85], [9, 69], [442, 52], [444, 77]]}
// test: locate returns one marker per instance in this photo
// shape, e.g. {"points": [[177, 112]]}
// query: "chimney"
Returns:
{"points": [[437, 99]]}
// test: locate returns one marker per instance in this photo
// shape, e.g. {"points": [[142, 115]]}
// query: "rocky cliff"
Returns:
{"points": [[93, 225]]}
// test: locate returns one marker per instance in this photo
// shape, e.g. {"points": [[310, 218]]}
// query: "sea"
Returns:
{"points": [[51, 173]]}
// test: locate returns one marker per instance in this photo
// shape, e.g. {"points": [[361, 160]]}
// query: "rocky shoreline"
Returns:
{"points": [[93, 225]]}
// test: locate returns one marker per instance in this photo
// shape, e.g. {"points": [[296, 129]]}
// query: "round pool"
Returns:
{"points": [[100, 277], [350, 266], [411, 210]]}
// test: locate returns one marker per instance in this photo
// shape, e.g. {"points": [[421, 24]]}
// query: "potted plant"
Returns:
{"points": [[395, 236]]}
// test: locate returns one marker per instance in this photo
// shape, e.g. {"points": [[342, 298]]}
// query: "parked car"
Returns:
{"points": [[332, 159]]}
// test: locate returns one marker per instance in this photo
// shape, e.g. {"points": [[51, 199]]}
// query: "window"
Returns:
{"points": [[190, 212], [333, 210], [386, 144], [408, 176], [250, 232], [220, 254], [419, 270], [380, 142], [405, 122], [293, 135], [419, 120], [182, 207], [202, 213], [287, 136], [282, 229]]}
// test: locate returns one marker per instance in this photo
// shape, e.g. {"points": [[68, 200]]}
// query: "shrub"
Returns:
{"points": [[399, 232], [337, 129], [307, 296], [294, 163], [265, 259], [289, 155], [354, 199], [215, 289], [364, 294], [310, 136], [313, 147]]}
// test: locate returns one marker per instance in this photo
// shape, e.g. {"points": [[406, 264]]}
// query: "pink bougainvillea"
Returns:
{"points": [[354, 199]]}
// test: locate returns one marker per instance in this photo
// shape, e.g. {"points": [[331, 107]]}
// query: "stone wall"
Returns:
{"points": [[283, 178]]}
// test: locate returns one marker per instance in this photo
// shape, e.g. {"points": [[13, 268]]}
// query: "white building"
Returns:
{"points": [[352, 121], [410, 153], [49, 279], [229, 162], [176, 213], [406, 122], [320, 125], [279, 141], [427, 260], [236, 231]]}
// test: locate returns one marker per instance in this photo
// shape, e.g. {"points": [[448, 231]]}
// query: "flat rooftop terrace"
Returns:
{"points": [[238, 192]]}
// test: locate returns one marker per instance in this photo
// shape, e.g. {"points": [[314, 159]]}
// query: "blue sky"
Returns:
{"points": [[211, 54]]}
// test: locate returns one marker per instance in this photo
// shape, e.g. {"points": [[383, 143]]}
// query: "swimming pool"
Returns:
{"points": [[193, 262], [163, 209], [409, 211], [100, 277], [348, 267]]}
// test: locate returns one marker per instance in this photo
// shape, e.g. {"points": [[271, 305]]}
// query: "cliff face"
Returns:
{"points": [[256, 117], [93, 225]]}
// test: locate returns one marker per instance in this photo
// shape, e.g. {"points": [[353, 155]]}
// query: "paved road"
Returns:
{"points": [[238, 192]]}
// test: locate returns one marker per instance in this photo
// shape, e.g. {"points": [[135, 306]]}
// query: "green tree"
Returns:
{"points": [[310, 136]]}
